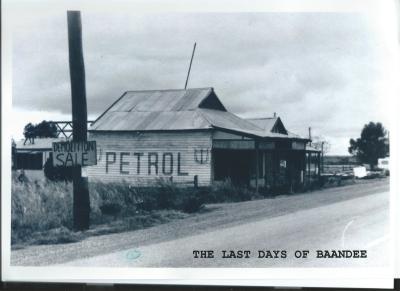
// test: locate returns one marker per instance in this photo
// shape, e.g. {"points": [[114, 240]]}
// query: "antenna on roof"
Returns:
{"points": [[190, 66]]}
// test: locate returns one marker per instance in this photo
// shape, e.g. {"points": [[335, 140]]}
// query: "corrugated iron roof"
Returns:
{"points": [[227, 120], [177, 110], [142, 121], [312, 149], [161, 100], [270, 124], [40, 143], [266, 124]]}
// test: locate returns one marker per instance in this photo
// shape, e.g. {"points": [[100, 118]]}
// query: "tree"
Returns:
{"points": [[46, 129], [29, 133], [57, 173], [321, 144], [43, 129], [371, 145]]}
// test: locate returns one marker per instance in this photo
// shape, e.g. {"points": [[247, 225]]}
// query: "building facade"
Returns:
{"points": [[189, 137]]}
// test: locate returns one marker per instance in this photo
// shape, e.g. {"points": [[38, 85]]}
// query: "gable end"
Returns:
{"points": [[279, 127], [212, 102]]}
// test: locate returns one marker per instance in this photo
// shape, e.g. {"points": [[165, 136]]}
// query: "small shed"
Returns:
{"points": [[188, 136], [32, 155]]}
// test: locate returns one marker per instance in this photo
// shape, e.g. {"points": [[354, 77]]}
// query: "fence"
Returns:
{"points": [[332, 169]]}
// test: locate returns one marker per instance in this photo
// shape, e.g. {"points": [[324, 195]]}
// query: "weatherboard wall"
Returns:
{"points": [[143, 158]]}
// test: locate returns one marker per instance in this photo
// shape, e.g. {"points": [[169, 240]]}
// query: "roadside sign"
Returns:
{"points": [[74, 153]]}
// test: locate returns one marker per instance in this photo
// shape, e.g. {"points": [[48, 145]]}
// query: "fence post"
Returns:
{"points": [[196, 181]]}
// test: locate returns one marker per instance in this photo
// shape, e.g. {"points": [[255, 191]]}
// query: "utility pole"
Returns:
{"points": [[81, 203], [190, 66]]}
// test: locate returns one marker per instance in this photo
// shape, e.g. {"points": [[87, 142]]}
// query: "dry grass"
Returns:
{"points": [[39, 206], [42, 209]]}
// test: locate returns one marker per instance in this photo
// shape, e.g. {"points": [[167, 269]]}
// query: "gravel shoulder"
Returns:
{"points": [[214, 217]]}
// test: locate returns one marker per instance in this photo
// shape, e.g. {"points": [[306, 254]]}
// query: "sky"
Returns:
{"points": [[320, 70]]}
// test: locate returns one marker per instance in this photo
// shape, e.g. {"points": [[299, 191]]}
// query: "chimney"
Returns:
{"points": [[274, 114], [309, 133]]}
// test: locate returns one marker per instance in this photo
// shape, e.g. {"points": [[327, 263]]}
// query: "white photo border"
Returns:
{"points": [[307, 277]]}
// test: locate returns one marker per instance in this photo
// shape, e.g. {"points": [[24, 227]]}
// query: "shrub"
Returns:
{"points": [[226, 191], [110, 208], [57, 173], [167, 195], [123, 199], [193, 202]]}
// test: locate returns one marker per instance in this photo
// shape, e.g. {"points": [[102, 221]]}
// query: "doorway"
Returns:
{"points": [[233, 164]]}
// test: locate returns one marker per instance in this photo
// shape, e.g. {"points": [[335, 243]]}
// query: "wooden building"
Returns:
{"points": [[32, 153], [189, 136], [32, 156]]}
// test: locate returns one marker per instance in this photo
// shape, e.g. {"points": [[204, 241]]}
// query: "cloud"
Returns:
{"points": [[315, 69]]}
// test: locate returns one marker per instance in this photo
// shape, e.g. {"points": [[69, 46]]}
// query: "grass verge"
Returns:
{"points": [[42, 209]]}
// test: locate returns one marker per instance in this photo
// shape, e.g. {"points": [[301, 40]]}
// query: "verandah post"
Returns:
{"points": [[309, 168], [319, 167], [256, 144]]}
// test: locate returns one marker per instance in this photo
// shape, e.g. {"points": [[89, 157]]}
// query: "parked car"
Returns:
{"points": [[383, 165]]}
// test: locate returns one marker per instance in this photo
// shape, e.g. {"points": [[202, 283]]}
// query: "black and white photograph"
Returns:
{"points": [[151, 139]]}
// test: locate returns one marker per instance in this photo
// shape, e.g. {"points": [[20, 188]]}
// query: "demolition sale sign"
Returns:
{"points": [[74, 153]]}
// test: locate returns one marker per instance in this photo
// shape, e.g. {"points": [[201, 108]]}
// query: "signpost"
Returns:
{"points": [[81, 202], [75, 153]]}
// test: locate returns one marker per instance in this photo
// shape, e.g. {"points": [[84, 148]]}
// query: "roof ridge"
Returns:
{"points": [[164, 90], [260, 118], [194, 109]]}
